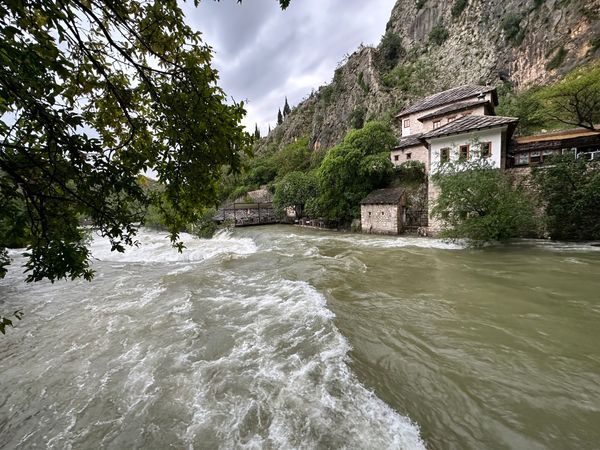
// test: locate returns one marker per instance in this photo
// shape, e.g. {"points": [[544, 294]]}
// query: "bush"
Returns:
{"points": [[357, 118], [558, 59], [570, 189], [511, 25], [420, 3], [458, 7], [411, 172], [480, 203], [389, 51], [438, 34]]}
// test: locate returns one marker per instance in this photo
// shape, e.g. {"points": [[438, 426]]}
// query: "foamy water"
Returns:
{"points": [[204, 349]]}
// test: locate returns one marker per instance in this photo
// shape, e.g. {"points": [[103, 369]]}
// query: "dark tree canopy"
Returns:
{"points": [[286, 108], [279, 117], [93, 94]]}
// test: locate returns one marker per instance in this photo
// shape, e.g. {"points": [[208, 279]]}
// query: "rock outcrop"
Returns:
{"points": [[521, 42]]}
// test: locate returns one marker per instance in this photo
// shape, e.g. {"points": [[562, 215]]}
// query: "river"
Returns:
{"points": [[281, 337]]}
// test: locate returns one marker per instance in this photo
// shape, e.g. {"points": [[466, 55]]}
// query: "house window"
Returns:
{"points": [[463, 153], [486, 149], [406, 123], [444, 155], [535, 157], [408, 156], [522, 159], [437, 124], [451, 119], [396, 157]]}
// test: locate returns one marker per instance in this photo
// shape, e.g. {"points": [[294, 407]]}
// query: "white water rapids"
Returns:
{"points": [[211, 348]]}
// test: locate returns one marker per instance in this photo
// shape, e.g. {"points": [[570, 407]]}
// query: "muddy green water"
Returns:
{"points": [[280, 337]]}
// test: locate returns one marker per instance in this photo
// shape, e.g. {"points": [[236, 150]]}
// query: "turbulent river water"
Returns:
{"points": [[280, 337]]}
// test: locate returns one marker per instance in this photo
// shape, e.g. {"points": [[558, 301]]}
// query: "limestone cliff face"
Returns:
{"points": [[523, 42]]}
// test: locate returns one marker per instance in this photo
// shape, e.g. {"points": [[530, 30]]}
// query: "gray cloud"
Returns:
{"points": [[264, 54]]}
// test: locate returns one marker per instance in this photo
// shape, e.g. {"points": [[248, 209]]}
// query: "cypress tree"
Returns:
{"points": [[286, 109], [279, 118], [256, 132]]}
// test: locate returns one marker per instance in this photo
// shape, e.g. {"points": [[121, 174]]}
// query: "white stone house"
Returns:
{"points": [[457, 124], [436, 111]]}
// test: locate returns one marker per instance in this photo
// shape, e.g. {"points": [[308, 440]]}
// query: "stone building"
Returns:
{"points": [[382, 211], [454, 125]]}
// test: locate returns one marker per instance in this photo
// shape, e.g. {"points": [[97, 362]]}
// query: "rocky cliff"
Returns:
{"points": [[439, 44]]}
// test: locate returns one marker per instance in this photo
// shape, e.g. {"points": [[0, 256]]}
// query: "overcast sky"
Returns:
{"points": [[264, 54]]}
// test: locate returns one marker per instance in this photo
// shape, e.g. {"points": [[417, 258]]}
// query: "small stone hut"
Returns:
{"points": [[381, 212]]}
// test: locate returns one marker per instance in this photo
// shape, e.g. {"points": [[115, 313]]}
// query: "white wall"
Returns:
{"points": [[495, 136]]}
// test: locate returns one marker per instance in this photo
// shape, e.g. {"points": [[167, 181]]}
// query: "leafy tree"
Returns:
{"points": [[91, 94], [286, 109], [479, 202], [575, 100], [294, 190], [279, 118], [354, 168], [292, 157], [570, 190], [528, 107]]}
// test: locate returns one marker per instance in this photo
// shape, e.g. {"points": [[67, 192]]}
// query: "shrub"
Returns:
{"points": [[357, 117], [511, 25], [389, 51], [558, 59], [420, 3], [458, 7], [570, 188], [438, 34]]}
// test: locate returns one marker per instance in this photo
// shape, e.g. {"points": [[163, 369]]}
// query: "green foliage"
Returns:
{"points": [[294, 190], [91, 95], [286, 108], [352, 169], [528, 108], [292, 157], [438, 34], [570, 188], [389, 51], [256, 132], [205, 227], [411, 77], [420, 3], [511, 25], [538, 3], [357, 117], [6, 322], [263, 172], [557, 60], [480, 203], [279, 117], [458, 7], [412, 172], [575, 100], [361, 82]]}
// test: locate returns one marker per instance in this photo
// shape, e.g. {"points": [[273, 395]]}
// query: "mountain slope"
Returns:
{"points": [[437, 45]]}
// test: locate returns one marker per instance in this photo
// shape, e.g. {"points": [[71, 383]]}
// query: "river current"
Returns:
{"points": [[281, 337]]}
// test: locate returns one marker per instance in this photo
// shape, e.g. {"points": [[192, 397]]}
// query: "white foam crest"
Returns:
{"points": [[297, 388], [156, 247], [386, 241]]}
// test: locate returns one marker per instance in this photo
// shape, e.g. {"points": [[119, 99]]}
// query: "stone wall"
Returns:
{"points": [[381, 219], [419, 153]]}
